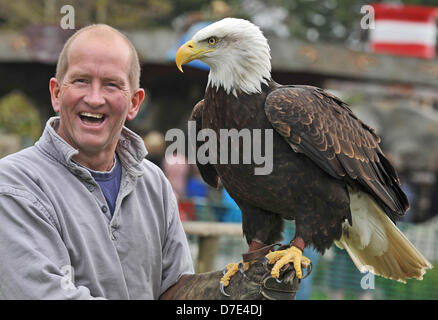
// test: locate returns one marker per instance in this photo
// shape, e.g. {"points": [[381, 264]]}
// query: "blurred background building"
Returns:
{"points": [[382, 62]]}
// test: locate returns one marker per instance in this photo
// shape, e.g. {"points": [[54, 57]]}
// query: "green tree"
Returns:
{"points": [[19, 116]]}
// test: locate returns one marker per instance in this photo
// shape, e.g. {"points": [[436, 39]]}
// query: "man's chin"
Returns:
{"points": [[94, 146]]}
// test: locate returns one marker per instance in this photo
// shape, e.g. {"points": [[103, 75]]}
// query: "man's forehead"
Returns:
{"points": [[99, 35], [103, 45]]}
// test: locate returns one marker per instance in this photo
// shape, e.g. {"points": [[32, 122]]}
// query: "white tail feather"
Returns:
{"points": [[375, 244]]}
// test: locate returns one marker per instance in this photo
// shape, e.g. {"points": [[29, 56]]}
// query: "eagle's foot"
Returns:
{"points": [[231, 270], [280, 258]]}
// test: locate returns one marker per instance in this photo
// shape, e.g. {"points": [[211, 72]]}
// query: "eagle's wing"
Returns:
{"points": [[208, 172], [322, 127]]}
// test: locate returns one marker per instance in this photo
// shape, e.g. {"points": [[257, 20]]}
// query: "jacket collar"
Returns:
{"points": [[130, 149]]}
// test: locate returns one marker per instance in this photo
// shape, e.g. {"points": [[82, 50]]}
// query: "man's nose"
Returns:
{"points": [[94, 97]]}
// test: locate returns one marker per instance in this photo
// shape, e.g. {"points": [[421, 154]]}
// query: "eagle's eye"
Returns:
{"points": [[212, 41]]}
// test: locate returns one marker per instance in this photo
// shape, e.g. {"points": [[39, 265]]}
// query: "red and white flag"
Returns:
{"points": [[404, 30]]}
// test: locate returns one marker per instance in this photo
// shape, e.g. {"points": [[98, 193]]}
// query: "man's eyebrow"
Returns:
{"points": [[114, 78], [78, 75]]}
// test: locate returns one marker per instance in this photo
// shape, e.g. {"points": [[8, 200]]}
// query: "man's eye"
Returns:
{"points": [[79, 81], [112, 84]]}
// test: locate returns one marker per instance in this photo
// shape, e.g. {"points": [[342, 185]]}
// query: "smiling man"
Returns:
{"points": [[83, 214], [96, 93]]}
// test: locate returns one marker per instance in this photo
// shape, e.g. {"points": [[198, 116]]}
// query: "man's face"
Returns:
{"points": [[95, 98]]}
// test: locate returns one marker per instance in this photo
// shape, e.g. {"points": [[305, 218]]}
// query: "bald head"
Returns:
{"points": [[104, 34]]}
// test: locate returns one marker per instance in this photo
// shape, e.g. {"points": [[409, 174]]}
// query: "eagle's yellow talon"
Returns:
{"points": [[232, 269], [283, 257]]}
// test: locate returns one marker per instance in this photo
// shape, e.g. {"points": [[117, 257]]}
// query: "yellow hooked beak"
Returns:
{"points": [[188, 52]]}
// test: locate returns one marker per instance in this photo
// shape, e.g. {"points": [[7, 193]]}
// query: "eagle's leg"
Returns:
{"points": [[293, 254], [260, 228], [232, 268]]}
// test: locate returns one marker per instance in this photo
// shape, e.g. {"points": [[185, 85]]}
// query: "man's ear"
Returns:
{"points": [[54, 88], [136, 100]]}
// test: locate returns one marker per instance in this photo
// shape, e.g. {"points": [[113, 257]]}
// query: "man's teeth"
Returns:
{"points": [[92, 115]]}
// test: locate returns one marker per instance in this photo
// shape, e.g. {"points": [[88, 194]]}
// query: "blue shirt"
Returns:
{"points": [[109, 182]]}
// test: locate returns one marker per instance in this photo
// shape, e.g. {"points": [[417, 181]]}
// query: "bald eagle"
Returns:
{"points": [[329, 173]]}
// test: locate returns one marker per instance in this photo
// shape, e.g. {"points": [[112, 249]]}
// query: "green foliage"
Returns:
{"points": [[326, 20], [19, 116], [121, 14], [413, 289], [331, 20], [328, 273]]}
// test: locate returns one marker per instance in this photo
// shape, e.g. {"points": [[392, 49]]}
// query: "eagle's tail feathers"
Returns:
{"points": [[375, 244]]}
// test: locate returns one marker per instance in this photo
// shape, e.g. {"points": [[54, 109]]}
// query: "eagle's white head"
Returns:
{"points": [[236, 51]]}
